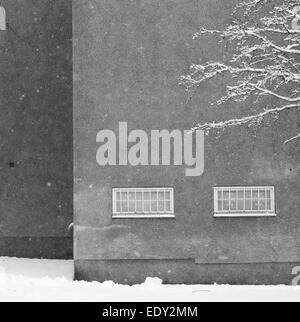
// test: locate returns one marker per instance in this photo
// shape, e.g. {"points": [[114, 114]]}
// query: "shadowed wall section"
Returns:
{"points": [[36, 129]]}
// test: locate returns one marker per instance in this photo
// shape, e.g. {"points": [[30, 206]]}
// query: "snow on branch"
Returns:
{"points": [[243, 120], [292, 139], [263, 60]]}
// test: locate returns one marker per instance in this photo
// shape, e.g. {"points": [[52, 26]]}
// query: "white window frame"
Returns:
{"points": [[144, 214], [245, 213]]}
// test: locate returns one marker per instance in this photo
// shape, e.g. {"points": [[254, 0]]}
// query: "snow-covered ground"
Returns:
{"points": [[44, 280]]}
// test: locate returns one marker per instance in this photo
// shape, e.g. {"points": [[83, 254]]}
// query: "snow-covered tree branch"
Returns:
{"points": [[265, 61]]}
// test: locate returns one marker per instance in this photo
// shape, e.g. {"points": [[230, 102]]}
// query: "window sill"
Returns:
{"points": [[232, 215], [141, 216]]}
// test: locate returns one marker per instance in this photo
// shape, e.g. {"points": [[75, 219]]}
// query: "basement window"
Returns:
{"points": [[244, 202], [143, 203]]}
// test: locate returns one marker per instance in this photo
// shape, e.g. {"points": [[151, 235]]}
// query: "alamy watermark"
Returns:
{"points": [[159, 148], [296, 272]]}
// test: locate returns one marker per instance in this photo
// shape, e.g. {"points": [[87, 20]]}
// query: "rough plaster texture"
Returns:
{"points": [[185, 272], [36, 129], [128, 57]]}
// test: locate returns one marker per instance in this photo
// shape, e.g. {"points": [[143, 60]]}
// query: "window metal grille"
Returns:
{"points": [[143, 203], [244, 201]]}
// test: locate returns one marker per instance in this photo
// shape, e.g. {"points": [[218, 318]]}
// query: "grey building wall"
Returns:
{"points": [[36, 179], [128, 57]]}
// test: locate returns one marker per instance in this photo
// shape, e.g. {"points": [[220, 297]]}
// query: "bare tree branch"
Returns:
{"points": [[265, 61], [243, 120], [292, 139]]}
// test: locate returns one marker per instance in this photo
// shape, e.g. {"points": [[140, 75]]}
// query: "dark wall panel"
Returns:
{"points": [[36, 122]]}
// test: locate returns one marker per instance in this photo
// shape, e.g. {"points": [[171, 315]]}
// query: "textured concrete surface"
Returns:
{"points": [[36, 127], [185, 272], [128, 57], [37, 247]]}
